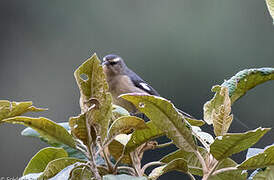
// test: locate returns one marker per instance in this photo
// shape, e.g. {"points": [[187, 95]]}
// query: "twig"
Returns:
{"points": [[136, 162], [151, 164], [106, 158], [92, 164], [91, 150]]}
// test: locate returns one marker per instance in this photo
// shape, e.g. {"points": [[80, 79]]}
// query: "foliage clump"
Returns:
{"points": [[106, 142]]}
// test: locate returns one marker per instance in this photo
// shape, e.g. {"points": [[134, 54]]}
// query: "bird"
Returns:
{"points": [[122, 80]]}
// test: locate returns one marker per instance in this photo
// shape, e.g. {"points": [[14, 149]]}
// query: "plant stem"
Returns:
{"points": [[136, 162], [106, 158], [224, 170], [202, 161], [206, 176], [93, 166]]}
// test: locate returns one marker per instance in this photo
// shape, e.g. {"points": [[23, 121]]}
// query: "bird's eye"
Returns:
{"points": [[113, 62]]}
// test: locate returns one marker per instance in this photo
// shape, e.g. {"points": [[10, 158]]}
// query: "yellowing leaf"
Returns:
{"points": [[92, 84], [165, 116], [48, 129], [125, 124], [221, 116], [260, 160], [232, 143], [213, 106], [12, 109], [39, 161]]}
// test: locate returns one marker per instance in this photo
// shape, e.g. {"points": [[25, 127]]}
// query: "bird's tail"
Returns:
{"points": [[185, 114]]}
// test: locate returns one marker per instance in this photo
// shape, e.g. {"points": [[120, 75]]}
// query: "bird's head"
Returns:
{"points": [[113, 65]]}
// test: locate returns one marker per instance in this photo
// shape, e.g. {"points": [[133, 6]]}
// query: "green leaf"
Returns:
{"points": [[194, 165], [235, 174], [122, 177], [41, 159], [11, 109], [260, 160], [126, 124], [174, 165], [266, 174], [57, 165], [139, 137], [94, 87], [78, 128], [72, 152], [48, 129], [270, 6], [194, 122], [247, 79], [232, 143], [117, 146], [81, 173], [165, 116], [32, 133]]}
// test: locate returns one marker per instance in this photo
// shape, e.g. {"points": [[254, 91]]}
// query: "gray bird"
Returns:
{"points": [[123, 80]]}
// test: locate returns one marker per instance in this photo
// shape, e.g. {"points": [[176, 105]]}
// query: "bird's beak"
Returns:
{"points": [[105, 63]]}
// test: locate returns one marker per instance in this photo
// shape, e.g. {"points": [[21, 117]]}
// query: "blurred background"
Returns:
{"points": [[181, 47]]}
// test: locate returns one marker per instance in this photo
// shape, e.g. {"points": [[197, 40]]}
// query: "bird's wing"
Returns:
{"points": [[140, 83]]}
